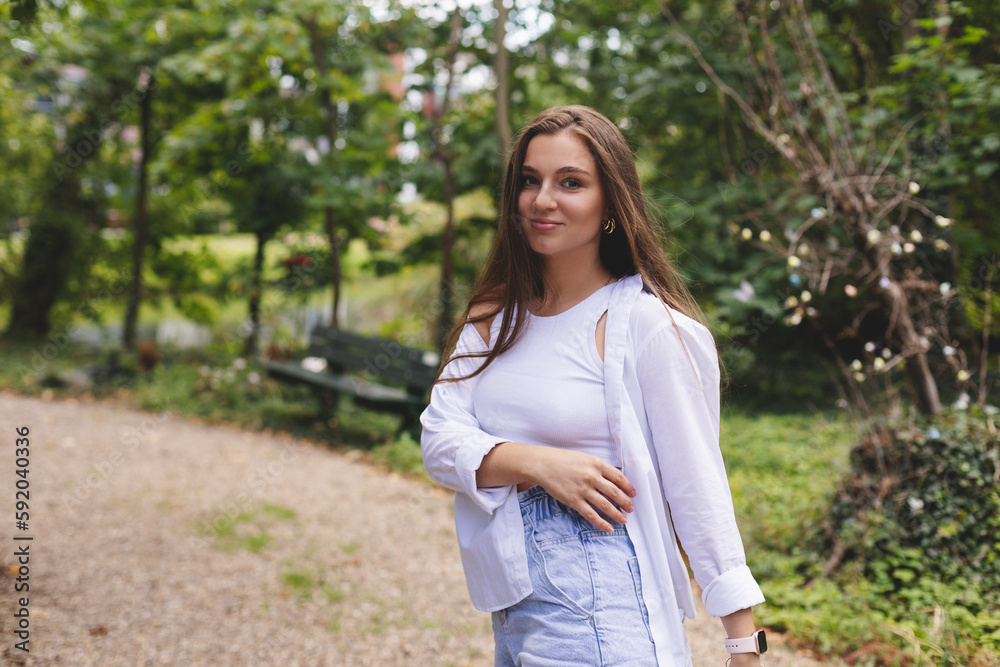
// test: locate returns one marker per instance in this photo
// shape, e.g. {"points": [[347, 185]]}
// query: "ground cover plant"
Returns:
{"points": [[877, 574]]}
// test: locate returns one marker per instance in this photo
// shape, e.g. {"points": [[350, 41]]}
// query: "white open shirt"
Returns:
{"points": [[662, 387]]}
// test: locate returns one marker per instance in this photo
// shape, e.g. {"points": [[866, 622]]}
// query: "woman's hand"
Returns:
{"points": [[744, 660], [582, 481], [587, 484]]}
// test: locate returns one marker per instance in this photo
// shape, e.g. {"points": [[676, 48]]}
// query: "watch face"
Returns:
{"points": [[761, 641]]}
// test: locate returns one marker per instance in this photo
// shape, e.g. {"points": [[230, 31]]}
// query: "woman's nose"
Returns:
{"points": [[544, 199]]}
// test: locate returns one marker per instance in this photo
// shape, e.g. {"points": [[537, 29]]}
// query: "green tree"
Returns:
{"points": [[352, 122], [876, 226], [308, 71], [446, 159], [267, 196], [97, 169], [141, 26], [62, 231], [300, 83], [26, 137]]}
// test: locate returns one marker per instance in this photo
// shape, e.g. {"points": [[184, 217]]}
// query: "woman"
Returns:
{"points": [[577, 422]]}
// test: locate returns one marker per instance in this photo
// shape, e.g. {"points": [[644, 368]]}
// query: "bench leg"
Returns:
{"points": [[328, 400]]}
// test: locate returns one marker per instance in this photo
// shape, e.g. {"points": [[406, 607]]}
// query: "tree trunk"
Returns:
{"points": [[140, 220], [444, 156], [55, 240], [256, 288], [446, 290], [49, 254], [329, 215], [902, 331], [330, 132], [500, 68], [329, 227], [918, 372]]}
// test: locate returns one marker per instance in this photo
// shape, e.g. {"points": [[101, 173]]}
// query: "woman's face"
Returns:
{"points": [[561, 202]]}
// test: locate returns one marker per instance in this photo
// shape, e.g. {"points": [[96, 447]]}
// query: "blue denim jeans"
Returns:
{"points": [[586, 605]]}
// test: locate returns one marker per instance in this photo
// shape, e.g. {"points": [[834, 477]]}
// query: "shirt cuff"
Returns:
{"points": [[467, 462], [731, 591]]}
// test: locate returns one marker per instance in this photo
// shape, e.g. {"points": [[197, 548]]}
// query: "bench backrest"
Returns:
{"points": [[343, 350]]}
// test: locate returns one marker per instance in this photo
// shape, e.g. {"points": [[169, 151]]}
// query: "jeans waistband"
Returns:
{"points": [[537, 505], [530, 494]]}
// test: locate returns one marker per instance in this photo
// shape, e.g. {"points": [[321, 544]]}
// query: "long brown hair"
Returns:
{"points": [[513, 275]]}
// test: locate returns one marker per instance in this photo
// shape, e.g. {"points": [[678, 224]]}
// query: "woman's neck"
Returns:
{"points": [[568, 282]]}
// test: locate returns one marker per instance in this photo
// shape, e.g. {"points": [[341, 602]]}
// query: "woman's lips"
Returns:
{"points": [[543, 225]]}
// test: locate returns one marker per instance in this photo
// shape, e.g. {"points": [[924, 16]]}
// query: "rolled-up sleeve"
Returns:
{"points": [[452, 442], [680, 389]]}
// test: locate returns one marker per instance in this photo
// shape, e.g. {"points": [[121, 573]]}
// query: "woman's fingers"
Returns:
{"points": [[618, 489], [605, 498], [617, 477], [587, 512], [589, 485], [608, 509], [597, 509]]}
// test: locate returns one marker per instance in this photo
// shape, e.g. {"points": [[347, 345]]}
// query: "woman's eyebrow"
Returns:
{"points": [[560, 170]]}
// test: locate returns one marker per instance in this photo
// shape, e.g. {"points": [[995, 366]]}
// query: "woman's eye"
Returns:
{"points": [[572, 183], [528, 180]]}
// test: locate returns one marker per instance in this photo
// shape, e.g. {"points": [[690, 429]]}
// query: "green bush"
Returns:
{"points": [[918, 519]]}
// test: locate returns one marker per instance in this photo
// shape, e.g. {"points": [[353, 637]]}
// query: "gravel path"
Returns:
{"points": [[163, 541]]}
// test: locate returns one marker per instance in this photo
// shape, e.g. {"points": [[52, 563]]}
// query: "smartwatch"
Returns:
{"points": [[755, 643]]}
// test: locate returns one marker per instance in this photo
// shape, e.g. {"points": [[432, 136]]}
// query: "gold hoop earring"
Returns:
{"points": [[609, 225]]}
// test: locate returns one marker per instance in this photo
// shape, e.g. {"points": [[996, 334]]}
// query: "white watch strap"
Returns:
{"points": [[743, 645]]}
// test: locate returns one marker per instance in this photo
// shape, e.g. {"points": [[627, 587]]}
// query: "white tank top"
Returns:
{"points": [[548, 389]]}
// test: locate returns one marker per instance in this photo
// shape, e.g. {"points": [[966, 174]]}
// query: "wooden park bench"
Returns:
{"points": [[378, 374]]}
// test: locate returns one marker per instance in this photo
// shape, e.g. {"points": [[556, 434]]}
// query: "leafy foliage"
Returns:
{"points": [[919, 519]]}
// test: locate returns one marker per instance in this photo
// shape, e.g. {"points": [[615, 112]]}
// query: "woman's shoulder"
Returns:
{"points": [[481, 316], [650, 314], [651, 318], [667, 333]]}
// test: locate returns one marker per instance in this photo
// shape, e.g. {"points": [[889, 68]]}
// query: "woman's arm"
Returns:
{"points": [[582, 481], [679, 386], [740, 624], [452, 441]]}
